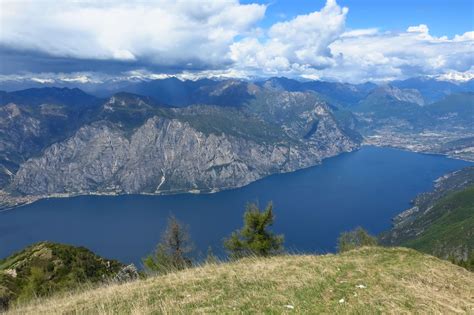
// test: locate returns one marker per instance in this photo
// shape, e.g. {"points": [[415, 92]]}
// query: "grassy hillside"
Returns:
{"points": [[368, 280], [46, 267], [449, 228], [440, 222]]}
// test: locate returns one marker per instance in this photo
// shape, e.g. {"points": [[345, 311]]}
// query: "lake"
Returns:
{"points": [[312, 206]]}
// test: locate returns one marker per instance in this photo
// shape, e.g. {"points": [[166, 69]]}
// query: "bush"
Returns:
{"points": [[254, 238], [354, 239]]}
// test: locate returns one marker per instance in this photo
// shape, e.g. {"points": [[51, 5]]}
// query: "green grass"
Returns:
{"points": [[364, 281]]}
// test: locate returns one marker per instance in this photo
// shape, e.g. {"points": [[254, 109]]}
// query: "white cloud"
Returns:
{"points": [[220, 38], [360, 32], [295, 45], [164, 32], [387, 55], [422, 28], [456, 76]]}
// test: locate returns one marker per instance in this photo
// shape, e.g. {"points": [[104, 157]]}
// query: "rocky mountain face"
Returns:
{"points": [[33, 119], [208, 135], [129, 144]]}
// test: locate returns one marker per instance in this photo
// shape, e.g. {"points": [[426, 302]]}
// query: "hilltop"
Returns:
{"points": [[368, 280], [46, 267]]}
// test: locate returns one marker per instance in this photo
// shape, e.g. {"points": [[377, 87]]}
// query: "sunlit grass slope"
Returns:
{"points": [[368, 280]]}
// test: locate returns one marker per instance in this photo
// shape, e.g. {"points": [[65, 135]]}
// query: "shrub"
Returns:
{"points": [[354, 239], [254, 238]]}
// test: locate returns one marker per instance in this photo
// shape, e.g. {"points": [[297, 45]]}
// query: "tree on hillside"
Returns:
{"points": [[172, 252], [354, 239], [255, 238]]}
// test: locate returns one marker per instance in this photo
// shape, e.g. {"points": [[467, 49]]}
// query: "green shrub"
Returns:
{"points": [[354, 239], [254, 238]]}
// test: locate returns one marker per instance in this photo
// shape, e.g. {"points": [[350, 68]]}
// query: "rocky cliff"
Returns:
{"points": [[134, 146]]}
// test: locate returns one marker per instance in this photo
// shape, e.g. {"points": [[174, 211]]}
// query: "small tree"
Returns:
{"points": [[172, 252], [354, 239], [254, 238]]}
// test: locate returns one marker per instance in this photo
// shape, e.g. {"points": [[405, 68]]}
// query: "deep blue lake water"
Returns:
{"points": [[312, 207]]}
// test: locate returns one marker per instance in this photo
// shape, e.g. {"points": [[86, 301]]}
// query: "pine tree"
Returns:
{"points": [[254, 238], [172, 252]]}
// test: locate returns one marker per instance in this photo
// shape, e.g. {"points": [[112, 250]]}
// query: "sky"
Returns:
{"points": [[345, 40]]}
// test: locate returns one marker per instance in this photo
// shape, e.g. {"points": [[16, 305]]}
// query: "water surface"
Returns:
{"points": [[312, 207]]}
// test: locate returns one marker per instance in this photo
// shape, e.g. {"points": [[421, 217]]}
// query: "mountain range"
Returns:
{"points": [[173, 136]]}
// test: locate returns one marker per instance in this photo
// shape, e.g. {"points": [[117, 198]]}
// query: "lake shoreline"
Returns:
{"points": [[28, 200], [367, 187]]}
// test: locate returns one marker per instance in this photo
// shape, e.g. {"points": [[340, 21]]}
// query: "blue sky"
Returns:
{"points": [[343, 40], [444, 17]]}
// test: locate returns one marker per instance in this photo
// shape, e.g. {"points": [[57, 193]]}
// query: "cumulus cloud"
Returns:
{"points": [[387, 55], [295, 45], [130, 40], [163, 32]]}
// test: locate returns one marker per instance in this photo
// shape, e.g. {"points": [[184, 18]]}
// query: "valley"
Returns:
{"points": [[236, 157]]}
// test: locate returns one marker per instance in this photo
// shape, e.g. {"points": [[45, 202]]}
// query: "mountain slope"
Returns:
{"points": [[458, 108], [369, 280], [33, 119], [131, 144], [450, 232], [48, 267], [432, 89], [440, 222]]}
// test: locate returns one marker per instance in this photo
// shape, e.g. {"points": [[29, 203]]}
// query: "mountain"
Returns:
{"points": [[133, 144], [364, 281], [433, 89], [440, 222], [33, 119], [178, 93], [232, 92], [208, 135], [45, 268], [59, 96], [458, 108], [341, 94]]}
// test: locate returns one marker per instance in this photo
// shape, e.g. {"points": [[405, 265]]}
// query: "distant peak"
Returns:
{"points": [[404, 95], [128, 100]]}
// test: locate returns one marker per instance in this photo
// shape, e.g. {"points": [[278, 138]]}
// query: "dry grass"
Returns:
{"points": [[396, 280]]}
